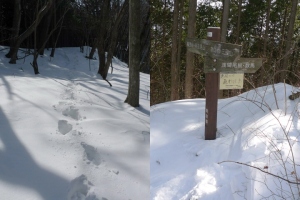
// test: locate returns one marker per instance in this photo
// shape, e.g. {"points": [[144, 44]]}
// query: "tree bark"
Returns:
{"points": [[266, 37], [224, 25], [101, 39], [282, 39], [238, 22], [134, 53], [93, 50], [189, 55], [174, 62], [288, 45], [145, 42], [15, 27]]}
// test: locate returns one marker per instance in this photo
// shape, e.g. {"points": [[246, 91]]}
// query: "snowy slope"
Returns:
{"points": [[251, 130], [65, 134]]}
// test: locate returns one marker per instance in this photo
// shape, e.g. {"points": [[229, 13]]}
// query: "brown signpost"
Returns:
{"points": [[212, 92], [219, 57]]}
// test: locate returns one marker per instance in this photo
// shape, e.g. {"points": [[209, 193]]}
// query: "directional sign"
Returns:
{"points": [[240, 65], [230, 81], [214, 49]]}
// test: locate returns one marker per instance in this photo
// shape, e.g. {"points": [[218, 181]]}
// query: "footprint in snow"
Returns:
{"points": [[71, 112], [91, 154], [81, 189], [64, 127]]}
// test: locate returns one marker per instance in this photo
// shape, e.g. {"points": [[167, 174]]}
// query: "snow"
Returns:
{"points": [[66, 134], [253, 137]]}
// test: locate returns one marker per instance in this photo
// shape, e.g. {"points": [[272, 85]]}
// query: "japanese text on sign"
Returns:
{"points": [[231, 81], [244, 65], [212, 48]]}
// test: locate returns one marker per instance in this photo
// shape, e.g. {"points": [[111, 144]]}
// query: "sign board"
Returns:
{"points": [[220, 57], [231, 81], [241, 65], [214, 49]]}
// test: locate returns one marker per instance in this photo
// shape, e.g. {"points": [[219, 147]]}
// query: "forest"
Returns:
{"points": [[37, 25], [265, 29]]}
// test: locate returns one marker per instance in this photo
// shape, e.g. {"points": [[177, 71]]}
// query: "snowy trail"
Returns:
{"points": [[70, 134]]}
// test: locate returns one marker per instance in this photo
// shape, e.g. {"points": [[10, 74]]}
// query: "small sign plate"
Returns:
{"points": [[240, 65], [214, 49], [231, 81]]}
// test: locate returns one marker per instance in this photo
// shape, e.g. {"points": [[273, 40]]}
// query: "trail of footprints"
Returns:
{"points": [[68, 109], [80, 188]]}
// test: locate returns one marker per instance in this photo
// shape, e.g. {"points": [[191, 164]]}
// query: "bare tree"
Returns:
{"points": [[39, 49], [113, 40], [41, 13]]}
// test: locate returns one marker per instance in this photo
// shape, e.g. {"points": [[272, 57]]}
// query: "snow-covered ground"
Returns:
{"points": [[65, 134], [254, 138]]}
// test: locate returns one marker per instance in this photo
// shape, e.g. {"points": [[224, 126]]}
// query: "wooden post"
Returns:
{"points": [[212, 91]]}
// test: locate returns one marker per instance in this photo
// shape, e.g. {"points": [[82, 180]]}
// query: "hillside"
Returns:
{"points": [[66, 134], [255, 155]]}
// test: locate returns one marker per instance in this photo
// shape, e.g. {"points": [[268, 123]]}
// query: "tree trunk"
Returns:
{"points": [[93, 50], [35, 51], [101, 44], [282, 38], [180, 24], [174, 66], [266, 37], [145, 42], [61, 20], [34, 63], [224, 25], [134, 53], [263, 72], [288, 45], [238, 22], [43, 30], [189, 55], [25, 34], [54, 41], [113, 39], [16, 26]]}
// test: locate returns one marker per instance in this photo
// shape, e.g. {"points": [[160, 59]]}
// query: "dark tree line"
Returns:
{"points": [[266, 29], [100, 24]]}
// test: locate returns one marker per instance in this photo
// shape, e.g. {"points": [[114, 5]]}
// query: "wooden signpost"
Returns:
{"points": [[224, 69]]}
